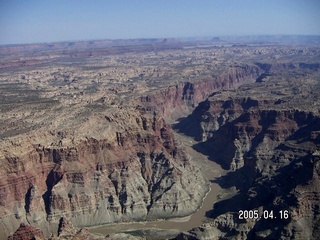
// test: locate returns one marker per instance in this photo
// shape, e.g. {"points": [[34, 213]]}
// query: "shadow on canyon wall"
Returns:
{"points": [[274, 193], [256, 189]]}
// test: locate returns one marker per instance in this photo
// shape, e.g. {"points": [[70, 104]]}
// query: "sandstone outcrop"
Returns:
{"points": [[103, 163], [85, 133], [27, 232], [186, 95], [272, 153], [135, 174]]}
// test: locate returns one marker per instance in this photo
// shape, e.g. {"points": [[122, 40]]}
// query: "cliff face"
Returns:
{"points": [[83, 135], [26, 232], [272, 153], [177, 100], [134, 174], [248, 130], [122, 165], [293, 190]]}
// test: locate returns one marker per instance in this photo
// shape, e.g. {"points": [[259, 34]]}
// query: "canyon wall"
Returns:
{"points": [[126, 167], [177, 101], [272, 153], [134, 175]]}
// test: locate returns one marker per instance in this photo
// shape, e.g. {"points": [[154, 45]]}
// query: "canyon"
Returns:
{"points": [[88, 137], [267, 135]]}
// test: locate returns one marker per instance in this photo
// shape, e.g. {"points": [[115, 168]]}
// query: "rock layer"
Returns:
{"points": [[272, 153], [179, 99], [26, 232], [85, 139], [136, 174]]}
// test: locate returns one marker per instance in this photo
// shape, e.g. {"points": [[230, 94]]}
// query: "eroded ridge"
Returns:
{"points": [[85, 138], [268, 135]]}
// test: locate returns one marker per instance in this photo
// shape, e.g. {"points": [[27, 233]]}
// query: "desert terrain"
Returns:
{"points": [[97, 134]]}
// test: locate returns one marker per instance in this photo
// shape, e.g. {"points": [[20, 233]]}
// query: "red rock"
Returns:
{"points": [[27, 232]]}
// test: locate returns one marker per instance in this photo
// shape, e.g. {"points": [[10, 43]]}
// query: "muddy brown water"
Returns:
{"points": [[210, 169]]}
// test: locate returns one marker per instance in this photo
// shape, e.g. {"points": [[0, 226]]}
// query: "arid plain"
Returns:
{"points": [[134, 131]]}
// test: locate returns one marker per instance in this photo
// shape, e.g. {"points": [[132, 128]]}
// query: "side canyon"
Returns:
{"points": [[89, 140]]}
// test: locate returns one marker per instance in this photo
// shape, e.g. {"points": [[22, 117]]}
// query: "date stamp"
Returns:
{"points": [[266, 214]]}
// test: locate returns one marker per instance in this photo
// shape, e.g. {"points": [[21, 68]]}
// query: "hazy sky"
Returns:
{"points": [[29, 21]]}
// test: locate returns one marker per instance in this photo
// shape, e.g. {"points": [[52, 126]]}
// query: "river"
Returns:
{"points": [[211, 170]]}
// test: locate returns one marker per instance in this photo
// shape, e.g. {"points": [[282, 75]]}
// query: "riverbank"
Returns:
{"points": [[210, 169]]}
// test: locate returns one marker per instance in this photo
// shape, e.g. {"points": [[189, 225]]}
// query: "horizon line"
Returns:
{"points": [[158, 38]]}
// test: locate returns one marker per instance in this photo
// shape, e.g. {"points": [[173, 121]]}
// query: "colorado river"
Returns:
{"points": [[211, 170]]}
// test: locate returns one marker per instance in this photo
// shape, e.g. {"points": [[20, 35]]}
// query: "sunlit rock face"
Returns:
{"points": [[268, 136], [134, 174], [85, 135]]}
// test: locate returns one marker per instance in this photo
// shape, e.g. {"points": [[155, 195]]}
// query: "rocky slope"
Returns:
{"points": [[87, 139], [26, 232], [137, 173], [271, 144], [100, 164], [177, 100]]}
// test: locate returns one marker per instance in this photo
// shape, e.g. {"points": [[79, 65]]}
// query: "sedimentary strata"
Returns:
{"points": [[85, 138], [268, 135]]}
